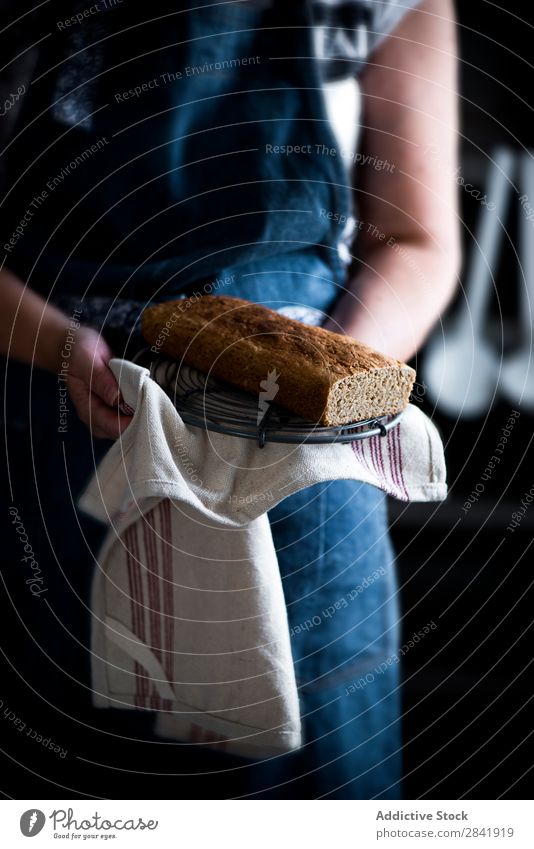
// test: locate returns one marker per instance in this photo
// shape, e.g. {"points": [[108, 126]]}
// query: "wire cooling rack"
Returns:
{"points": [[206, 402]]}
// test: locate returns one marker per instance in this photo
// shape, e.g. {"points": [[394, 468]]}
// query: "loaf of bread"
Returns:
{"points": [[322, 376]]}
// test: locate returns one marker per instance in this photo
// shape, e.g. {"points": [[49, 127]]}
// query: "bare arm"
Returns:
{"points": [[35, 333], [408, 236], [21, 312]]}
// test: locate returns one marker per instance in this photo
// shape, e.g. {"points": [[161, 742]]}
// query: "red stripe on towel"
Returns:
{"points": [[152, 573], [392, 473], [358, 449], [385, 469], [371, 455], [373, 448], [393, 487], [401, 470], [394, 460], [133, 605], [168, 587], [141, 606]]}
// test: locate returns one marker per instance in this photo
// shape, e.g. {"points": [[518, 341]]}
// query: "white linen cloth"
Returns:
{"points": [[188, 610]]}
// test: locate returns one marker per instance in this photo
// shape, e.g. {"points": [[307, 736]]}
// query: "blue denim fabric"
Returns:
{"points": [[336, 562], [337, 566], [256, 219], [193, 177]]}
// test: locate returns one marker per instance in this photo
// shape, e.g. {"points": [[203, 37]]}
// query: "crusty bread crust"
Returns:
{"points": [[323, 376]]}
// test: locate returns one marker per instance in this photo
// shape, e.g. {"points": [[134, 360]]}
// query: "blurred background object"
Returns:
{"points": [[466, 563], [461, 367]]}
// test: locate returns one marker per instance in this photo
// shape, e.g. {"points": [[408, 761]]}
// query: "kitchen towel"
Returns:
{"points": [[189, 618]]}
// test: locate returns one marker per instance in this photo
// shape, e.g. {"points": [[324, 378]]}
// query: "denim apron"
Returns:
{"points": [[215, 196]]}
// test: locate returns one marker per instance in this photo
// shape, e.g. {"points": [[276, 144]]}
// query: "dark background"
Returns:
{"points": [[468, 687]]}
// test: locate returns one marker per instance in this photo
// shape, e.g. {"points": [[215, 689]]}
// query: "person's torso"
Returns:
{"points": [[173, 146]]}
